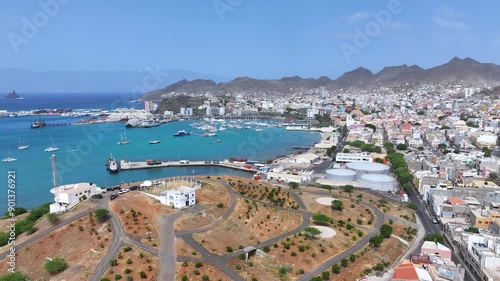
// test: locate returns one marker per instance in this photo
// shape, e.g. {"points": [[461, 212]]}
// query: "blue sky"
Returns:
{"points": [[257, 38]]}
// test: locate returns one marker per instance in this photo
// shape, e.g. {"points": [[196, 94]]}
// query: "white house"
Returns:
{"points": [[180, 197], [67, 196]]}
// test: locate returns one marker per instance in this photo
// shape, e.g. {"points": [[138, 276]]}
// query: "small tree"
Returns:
{"points": [[352, 257], [293, 185], [386, 230], [376, 241], [336, 268], [344, 262], [436, 237], [321, 219], [55, 266], [312, 231], [337, 205], [348, 188], [101, 215]]}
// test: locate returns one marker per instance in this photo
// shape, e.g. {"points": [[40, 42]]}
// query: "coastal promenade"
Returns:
{"points": [[148, 164]]}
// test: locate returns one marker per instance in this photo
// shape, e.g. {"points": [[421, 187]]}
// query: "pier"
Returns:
{"points": [[148, 164]]}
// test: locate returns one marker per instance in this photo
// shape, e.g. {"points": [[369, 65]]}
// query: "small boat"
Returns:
{"points": [[154, 141], [182, 133], [218, 140], [52, 146], [123, 139], [22, 145], [112, 165], [9, 159]]}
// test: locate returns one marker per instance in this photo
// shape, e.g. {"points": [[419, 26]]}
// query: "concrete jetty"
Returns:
{"points": [[149, 164]]}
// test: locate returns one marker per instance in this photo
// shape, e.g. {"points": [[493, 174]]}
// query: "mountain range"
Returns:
{"points": [[456, 70]]}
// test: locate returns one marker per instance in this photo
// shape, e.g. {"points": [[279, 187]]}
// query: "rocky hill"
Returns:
{"points": [[456, 70]]}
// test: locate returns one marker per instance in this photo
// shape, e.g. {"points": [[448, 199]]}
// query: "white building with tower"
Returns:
{"points": [[68, 196]]}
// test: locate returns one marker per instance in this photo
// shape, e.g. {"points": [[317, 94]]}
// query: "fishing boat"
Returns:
{"points": [[154, 141], [112, 165], [22, 145], [182, 133]]}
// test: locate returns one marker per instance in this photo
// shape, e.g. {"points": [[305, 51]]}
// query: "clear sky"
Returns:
{"points": [[257, 38]]}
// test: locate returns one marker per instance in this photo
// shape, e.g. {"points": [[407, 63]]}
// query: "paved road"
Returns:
{"points": [[167, 252], [426, 221], [116, 243]]}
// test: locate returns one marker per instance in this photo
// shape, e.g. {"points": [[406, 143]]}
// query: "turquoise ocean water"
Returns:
{"points": [[83, 150]]}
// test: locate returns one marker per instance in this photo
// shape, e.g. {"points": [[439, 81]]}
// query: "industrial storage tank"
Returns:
{"points": [[340, 175], [362, 168], [378, 182]]}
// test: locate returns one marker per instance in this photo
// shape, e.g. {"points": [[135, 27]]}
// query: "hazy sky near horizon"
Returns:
{"points": [[257, 38]]}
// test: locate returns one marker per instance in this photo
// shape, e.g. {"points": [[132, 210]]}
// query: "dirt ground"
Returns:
{"points": [[140, 261], [184, 249], [210, 195], [43, 223], [261, 191], [358, 212], [70, 243], [297, 252], [138, 214], [390, 250], [197, 273], [248, 224]]}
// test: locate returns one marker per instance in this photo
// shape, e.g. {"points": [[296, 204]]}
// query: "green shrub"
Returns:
{"points": [[55, 266], [13, 277], [127, 249]]}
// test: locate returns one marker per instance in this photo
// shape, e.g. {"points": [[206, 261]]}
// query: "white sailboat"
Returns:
{"points": [[22, 145], [52, 146], [9, 159], [123, 139]]}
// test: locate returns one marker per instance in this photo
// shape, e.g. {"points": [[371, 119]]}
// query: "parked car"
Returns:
{"points": [[116, 187], [122, 191], [113, 196], [134, 187], [434, 220], [109, 189], [97, 196]]}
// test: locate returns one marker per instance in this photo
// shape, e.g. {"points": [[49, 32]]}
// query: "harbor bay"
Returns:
{"points": [[83, 151]]}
